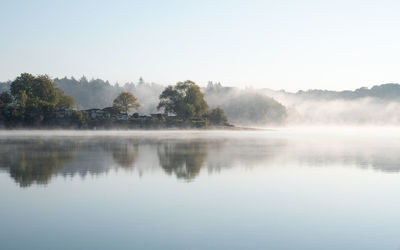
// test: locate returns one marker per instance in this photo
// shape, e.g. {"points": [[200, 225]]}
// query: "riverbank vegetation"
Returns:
{"points": [[249, 107], [36, 102]]}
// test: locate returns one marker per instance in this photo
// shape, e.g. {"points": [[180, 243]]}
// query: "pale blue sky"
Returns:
{"points": [[275, 44]]}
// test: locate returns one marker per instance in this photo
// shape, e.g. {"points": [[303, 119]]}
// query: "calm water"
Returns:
{"points": [[289, 189]]}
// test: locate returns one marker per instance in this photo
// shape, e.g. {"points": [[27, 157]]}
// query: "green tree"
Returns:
{"points": [[22, 99], [77, 118], [40, 88], [37, 99], [5, 98], [5, 109], [125, 101], [44, 89], [22, 84], [184, 99], [64, 101], [217, 117]]}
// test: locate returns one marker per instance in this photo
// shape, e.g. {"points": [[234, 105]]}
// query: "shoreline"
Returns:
{"points": [[214, 128]]}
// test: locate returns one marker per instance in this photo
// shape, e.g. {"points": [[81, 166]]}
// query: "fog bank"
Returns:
{"points": [[366, 111]]}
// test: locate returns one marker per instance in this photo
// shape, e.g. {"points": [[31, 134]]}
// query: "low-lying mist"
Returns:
{"points": [[365, 111], [35, 157], [377, 106]]}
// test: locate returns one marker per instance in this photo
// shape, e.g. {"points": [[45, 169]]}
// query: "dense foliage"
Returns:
{"points": [[217, 117], [184, 100], [64, 101], [5, 98], [34, 101]]}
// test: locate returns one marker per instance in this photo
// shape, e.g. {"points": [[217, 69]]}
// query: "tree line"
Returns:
{"points": [[242, 106], [35, 101]]}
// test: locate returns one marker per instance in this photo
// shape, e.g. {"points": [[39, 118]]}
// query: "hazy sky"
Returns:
{"points": [[275, 44]]}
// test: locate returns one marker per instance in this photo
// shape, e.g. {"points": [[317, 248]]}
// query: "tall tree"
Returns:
{"points": [[37, 99], [184, 99], [28, 89], [22, 83], [40, 88], [125, 101]]}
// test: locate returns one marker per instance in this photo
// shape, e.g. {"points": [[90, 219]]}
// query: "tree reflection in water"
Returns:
{"points": [[184, 159], [125, 154], [34, 160], [31, 162]]}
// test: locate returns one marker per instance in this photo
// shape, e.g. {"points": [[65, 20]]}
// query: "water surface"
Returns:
{"points": [[281, 189]]}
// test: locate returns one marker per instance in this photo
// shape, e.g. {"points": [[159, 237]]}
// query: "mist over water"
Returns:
{"points": [[346, 108], [366, 111], [36, 156], [292, 188], [199, 125]]}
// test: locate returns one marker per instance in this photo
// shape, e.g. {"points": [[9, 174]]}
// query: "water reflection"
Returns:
{"points": [[125, 154], [36, 160], [182, 159], [32, 161]]}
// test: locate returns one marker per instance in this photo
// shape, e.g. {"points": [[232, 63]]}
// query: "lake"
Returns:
{"points": [[277, 189]]}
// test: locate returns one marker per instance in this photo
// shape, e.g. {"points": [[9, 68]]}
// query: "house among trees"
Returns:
{"points": [[62, 113], [106, 113], [110, 112], [122, 117], [94, 113]]}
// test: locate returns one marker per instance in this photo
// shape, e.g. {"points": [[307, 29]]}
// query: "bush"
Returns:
{"points": [[217, 117], [77, 118]]}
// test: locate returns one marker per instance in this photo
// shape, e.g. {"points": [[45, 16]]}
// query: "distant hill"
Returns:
{"points": [[378, 105], [389, 91], [245, 107]]}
